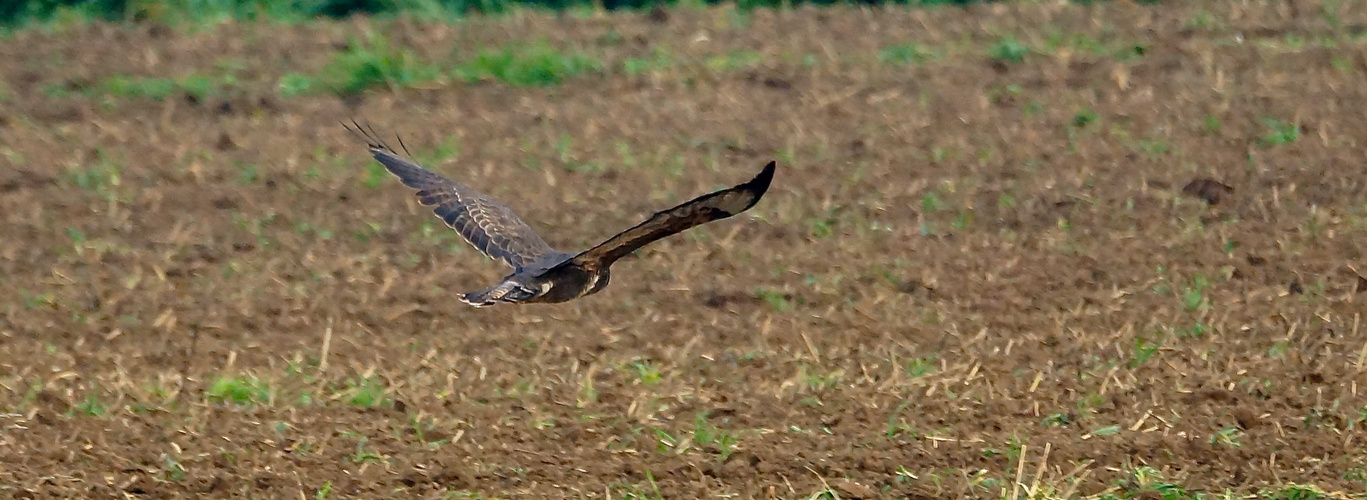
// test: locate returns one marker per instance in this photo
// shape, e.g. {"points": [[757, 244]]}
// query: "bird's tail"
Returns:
{"points": [[503, 292]]}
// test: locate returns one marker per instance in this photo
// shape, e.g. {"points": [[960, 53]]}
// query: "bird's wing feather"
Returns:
{"points": [[692, 213], [488, 224]]}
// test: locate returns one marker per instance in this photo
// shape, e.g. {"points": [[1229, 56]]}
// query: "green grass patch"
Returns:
{"points": [[1143, 350], [196, 86], [99, 176], [905, 54], [242, 390], [1278, 133], [659, 60], [643, 372], [1227, 437], [156, 89], [1210, 124], [368, 392], [1147, 482], [1008, 49], [1120, 51], [89, 407], [295, 84], [536, 64], [734, 60], [777, 299], [1294, 491], [920, 367], [720, 442], [373, 62]]}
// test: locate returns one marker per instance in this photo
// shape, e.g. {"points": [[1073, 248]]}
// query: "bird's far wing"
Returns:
{"points": [[701, 210], [488, 224]]}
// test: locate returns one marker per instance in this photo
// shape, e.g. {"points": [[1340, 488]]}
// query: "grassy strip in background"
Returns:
{"points": [[375, 63], [363, 64], [536, 64], [196, 86], [22, 13]]}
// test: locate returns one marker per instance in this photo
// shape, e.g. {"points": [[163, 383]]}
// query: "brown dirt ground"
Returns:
{"points": [[967, 273]]}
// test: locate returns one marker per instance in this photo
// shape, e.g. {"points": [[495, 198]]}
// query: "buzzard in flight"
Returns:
{"points": [[541, 273]]}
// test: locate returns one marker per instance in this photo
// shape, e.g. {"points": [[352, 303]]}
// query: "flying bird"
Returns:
{"points": [[541, 273]]}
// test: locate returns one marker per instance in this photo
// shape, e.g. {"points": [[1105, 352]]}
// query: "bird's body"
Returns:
{"points": [[542, 274], [561, 282]]}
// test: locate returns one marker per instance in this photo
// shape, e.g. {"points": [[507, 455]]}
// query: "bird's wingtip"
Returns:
{"points": [[760, 183]]}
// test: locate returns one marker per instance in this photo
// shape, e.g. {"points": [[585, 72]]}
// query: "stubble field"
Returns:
{"points": [[1037, 249]]}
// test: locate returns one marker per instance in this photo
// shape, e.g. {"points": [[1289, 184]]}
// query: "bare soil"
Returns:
{"points": [[1130, 261]]}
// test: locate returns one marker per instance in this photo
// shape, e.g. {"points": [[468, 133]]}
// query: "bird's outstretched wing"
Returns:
{"points": [[701, 210], [488, 224]]}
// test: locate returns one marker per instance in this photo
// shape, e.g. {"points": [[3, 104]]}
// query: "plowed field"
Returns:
{"points": [[1035, 249]]}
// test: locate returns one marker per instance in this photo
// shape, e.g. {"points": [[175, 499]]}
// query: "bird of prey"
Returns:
{"points": [[542, 273]]}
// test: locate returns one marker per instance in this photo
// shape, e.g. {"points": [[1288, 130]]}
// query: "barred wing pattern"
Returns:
{"points": [[488, 224], [698, 211]]}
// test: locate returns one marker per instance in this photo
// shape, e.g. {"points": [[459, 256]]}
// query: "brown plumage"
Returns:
{"points": [[542, 273]]}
